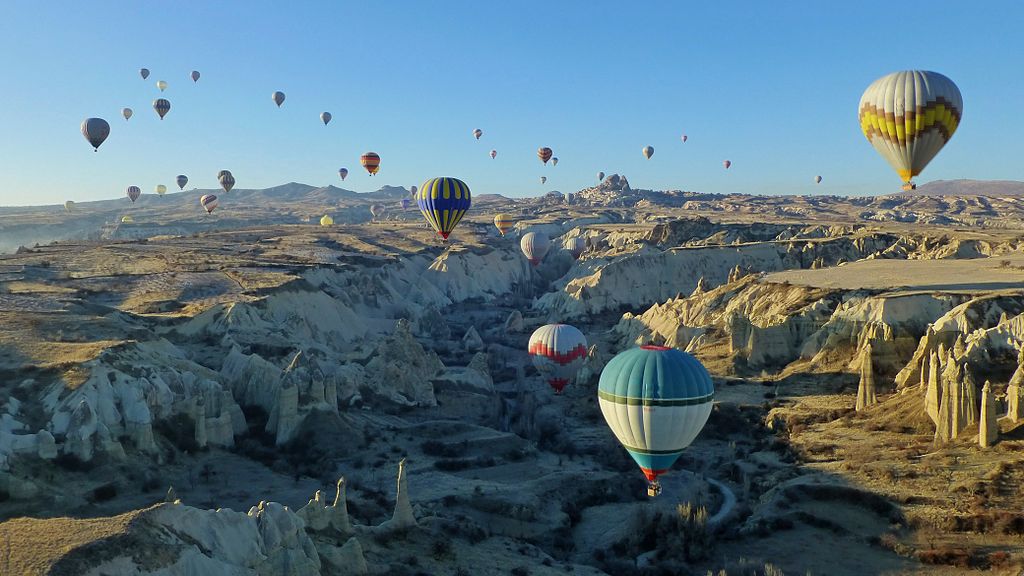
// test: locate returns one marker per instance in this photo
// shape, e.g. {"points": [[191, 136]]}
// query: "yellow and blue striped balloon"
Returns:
{"points": [[443, 202]]}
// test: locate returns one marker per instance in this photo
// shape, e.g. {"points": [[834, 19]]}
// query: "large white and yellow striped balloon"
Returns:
{"points": [[558, 351], [909, 116]]}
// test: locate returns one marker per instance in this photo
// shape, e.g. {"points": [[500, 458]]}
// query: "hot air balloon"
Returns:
{"points": [[326, 221], [504, 222], [182, 180], [68, 205], [558, 351], [600, 176], [576, 246], [223, 173], [278, 98], [443, 202], [544, 154], [908, 117], [478, 133], [134, 192], [535, 246], [144, 72], [684, 138], [343, 172], [656, 400], [161, 85], [377, 210], [405, 203], [127, 113], [227, 182], [817, 179], [161, 189], [494, 154], [543, 179], [648, 151], [727, 163], [370, 161], [127, 220], [554, 161], [209, 202], [95, 131], [195, 75], [162, 107], [325, 117]]}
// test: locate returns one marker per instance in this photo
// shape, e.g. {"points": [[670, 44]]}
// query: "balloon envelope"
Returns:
{"points": [[182, 180], [144, 72], [95, 131], [325, 117], [817, 179], [554, 161], [478, 133], [326, 221], [727, 163], [544, 154], [68, 205], [195, 75], [648, 151], [162, 107], [161, 85], [278, 98], [656, 400], [443, 202], [208, 202], [161, 189], [576, 246], [370, 161], [343, 172], [504, 222], [909, 116], [543, 179], [535, 246], [227, 182], [223, 173], [600, 176], [133, 193], [684, 138], [558, 351], [127, 219], [494, 154], [127, 113]]}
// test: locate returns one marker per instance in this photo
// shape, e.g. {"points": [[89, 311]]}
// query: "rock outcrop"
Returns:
{"points": [[319, 515], [866, 389], [988, 428]]}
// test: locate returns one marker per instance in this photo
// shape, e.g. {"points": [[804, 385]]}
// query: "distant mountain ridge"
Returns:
{"points": [[993, 188]]}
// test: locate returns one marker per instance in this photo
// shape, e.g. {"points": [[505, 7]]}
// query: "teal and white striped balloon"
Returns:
{"points": [[656, 400]]}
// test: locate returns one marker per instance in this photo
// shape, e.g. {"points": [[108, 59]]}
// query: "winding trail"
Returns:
{"points": [[728, 502]]}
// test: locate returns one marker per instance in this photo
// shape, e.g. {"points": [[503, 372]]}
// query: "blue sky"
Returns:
{"points": [[772, 86]]}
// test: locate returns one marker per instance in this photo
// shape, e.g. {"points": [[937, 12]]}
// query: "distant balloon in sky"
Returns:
{"points": [[95, 131], [343, 172], [544, 154], [182, 180], [478, 133], [209, 202], [412, 191], [162, 107], [554, 161], [726, 164], [278, 98], [376, 210], [684, 138], [227, 182], [127, 113], [648, 151], [443, 202], [144, 72], [161, 85], [817, 179], [325, 117], [405, 203], [600, 176], [195, 75], [326, 221], [494, 154], [908, 117], [504, 222], [543, 179], [558, 351], [535, 246], [161, 189], [370, 161], [133, 193], [68, 205], [222, 173]]}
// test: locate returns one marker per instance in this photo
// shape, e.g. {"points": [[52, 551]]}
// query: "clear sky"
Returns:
{"points": [[771, 85]]}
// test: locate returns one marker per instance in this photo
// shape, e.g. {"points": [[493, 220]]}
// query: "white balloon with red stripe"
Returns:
{"points": [[558, 351]]}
